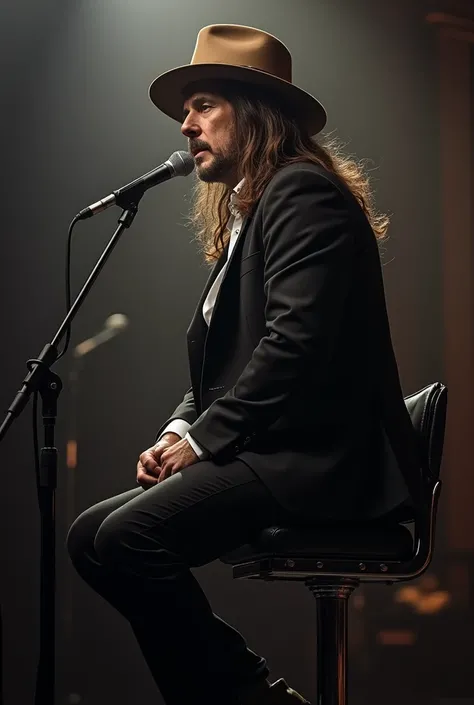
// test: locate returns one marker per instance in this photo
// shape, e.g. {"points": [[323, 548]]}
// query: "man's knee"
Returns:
{"points": [[122, 545], [80, 537], [110, 542]]}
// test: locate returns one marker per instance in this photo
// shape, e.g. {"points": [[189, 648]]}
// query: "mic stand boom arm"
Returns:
{"points": [[48, 384]]}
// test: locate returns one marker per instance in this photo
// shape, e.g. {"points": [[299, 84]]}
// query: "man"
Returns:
{"points": [[292, 370]]}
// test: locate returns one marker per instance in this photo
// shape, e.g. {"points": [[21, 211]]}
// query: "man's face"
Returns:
{"points": [[209, 126]]}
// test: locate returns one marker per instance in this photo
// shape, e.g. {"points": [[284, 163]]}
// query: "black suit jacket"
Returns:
{"points": [[296, 372]]}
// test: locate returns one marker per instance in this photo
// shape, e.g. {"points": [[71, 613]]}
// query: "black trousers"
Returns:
{"points": [[136, 551]]}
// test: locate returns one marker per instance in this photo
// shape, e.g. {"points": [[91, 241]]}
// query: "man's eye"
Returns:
{"points": [[205, 106]]}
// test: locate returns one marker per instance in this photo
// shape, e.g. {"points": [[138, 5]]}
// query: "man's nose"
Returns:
{"points": [[190, 127]]}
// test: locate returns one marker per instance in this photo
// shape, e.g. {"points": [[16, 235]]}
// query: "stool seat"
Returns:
{"points": [[370, 541]]}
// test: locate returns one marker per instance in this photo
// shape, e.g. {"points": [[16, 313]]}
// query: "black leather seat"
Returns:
{"points": [[333, 560]]}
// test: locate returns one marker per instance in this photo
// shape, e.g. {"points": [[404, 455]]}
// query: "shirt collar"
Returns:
{"points": [[233, 196]]}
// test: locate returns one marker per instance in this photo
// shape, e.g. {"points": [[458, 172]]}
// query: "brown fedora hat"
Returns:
{"points": [[234, 52]]}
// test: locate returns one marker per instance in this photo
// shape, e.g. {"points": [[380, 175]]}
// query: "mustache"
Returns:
{"points": [[197, 146]]}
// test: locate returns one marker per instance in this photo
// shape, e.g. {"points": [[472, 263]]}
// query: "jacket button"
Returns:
{"points": [[237, 448]]}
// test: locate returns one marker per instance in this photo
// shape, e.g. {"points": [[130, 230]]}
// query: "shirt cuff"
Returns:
{"points": [[179, 426], [200, 452]]}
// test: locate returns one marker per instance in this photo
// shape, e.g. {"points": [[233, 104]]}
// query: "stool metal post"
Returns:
{"points": [[332, 598]]}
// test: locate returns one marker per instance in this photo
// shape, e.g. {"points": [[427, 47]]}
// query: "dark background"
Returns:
{"points": [[76, 123]]}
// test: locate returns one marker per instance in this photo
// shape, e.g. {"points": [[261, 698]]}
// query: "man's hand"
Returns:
{"points": [[149, 463], [176, 458], [165, 458]]}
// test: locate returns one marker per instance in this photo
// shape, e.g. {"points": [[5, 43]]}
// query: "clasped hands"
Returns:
{"points": [[167, 457]]}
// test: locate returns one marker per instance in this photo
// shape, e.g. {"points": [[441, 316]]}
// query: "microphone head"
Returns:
{"points": [[117, 321], [182, 163]]}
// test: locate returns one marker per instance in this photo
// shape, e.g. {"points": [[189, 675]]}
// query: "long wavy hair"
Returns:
{"points": [[267, 139]]}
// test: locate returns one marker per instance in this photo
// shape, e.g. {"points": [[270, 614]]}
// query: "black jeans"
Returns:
{"points": [[136, 550]]}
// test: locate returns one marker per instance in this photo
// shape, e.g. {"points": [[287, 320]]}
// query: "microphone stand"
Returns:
{"points": [[70, 514], [41, 379]]}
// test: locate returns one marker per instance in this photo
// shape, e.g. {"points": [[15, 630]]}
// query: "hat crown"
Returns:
{"points": [[243, 46]]}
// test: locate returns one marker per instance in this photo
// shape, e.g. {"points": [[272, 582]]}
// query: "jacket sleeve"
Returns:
{"points": [[186, 411], [308, 261]]}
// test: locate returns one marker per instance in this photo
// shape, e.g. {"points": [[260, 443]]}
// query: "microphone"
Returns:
{"points": [[113, 325], [179, 164]]}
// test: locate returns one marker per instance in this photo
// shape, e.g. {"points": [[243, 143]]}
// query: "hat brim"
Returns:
{"points": [[167, 91]]}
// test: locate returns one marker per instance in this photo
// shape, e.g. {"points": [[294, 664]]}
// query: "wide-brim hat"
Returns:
{"points": [[246, 54]]}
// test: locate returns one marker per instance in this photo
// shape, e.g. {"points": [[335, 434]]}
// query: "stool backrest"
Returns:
{"points": [[427, 409]]}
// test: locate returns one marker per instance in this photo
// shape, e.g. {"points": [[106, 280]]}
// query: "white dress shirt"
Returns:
{"points": [[234, 224]]}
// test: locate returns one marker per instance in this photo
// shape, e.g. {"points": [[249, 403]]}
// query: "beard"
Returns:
{"points": [[219, 167]]}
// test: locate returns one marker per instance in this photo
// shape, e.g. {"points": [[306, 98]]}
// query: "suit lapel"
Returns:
{"points": [[234, 258], [197, 321], [198, 325], [198, 331]]}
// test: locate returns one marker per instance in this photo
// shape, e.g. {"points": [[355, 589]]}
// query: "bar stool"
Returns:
{"points": [[333, 561]]}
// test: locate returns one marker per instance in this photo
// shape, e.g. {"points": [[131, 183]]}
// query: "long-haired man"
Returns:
{"points": [[291, 364]]}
